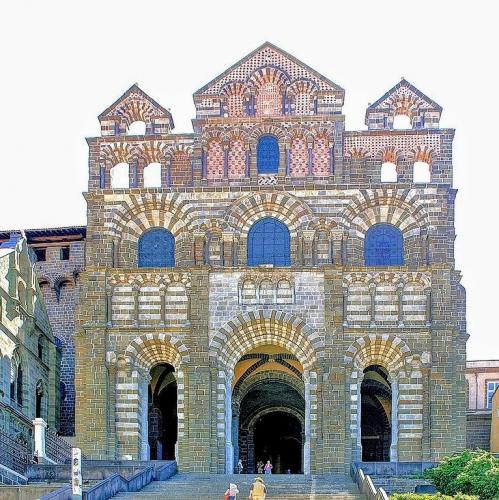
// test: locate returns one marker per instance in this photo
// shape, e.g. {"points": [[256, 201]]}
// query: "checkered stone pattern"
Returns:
{"points": [[321, 157], [414, 304], [237, 160], [176, 304], [123, 305], [386, 304], [215, 168], [149, 305], [299, 158]]}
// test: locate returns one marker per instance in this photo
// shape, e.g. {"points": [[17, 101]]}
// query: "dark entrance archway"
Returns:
{"points": [[271, 425], [278, 438], [376, 409], [162, 404]]}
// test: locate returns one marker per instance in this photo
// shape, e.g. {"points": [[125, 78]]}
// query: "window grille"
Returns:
{"points": [[157, 249], [268, 155], [384, 246], [269, 243]]}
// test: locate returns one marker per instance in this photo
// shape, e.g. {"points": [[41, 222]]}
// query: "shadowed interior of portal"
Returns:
{"points": [[162, 403]]}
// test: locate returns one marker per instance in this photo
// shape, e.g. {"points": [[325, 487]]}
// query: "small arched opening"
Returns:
{"points": [[120, 176], [162, 405], [402, 121], [421, 172], [388, 172], [137, 128], [376, 410], [152, 175]]}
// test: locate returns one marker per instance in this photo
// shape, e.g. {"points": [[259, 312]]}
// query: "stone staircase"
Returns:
{"points": [[185, 486]]}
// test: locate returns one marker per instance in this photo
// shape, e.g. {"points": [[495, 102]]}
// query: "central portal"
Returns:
{"points": [[269, 411]]}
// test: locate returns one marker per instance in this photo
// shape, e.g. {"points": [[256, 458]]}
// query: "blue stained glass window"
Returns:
{"points": [[267, 155], [384, 246], [269, 243], [157, 248]]}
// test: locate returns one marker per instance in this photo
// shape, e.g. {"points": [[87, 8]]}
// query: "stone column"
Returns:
{"points": [[400, 302], [308, 241], [337, 257], [162, 304], [136, 290], [310, 153], [357, 453], [229, 449], [395, 424], [228, 249], [144, 414], [109, 306], [235, 435], [39, 426], [428, 306], [306, 438], [372, 293]]}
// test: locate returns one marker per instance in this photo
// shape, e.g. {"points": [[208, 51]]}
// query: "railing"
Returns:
{"points": [[13, 454], [367, 488], [57, 448]]}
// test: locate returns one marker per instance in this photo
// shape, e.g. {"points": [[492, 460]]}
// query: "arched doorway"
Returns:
{"points": [[376, 411], [269, 411], [278, 438], [162, 411]]}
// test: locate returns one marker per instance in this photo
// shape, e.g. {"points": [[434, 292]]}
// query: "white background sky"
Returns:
{"points": [[63, 62]]}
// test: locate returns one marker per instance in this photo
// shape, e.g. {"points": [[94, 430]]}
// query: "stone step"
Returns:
{"points": [[210, 486]]}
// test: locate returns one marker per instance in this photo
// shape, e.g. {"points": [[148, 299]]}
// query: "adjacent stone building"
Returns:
{"points": [[29, 358], [271, 286], [482, 377]]}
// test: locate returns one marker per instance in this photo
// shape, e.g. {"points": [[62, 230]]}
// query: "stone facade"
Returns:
{"points": [[482, 379], [351, 360], [29, 357]]}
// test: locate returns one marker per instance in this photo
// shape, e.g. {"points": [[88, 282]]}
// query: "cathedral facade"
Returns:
{"points": [[271, 286]]}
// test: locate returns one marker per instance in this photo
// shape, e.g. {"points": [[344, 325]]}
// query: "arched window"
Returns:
{"points": [[120, 176], [152, 175], [157, 248], [421, 172], [269, 243], [384, 246], [388, 172], [268, 155], [137, 128], [402, 122]]}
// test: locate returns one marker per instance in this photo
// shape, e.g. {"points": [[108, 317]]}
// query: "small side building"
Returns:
{"points": [[29, 357], [482, 379]]}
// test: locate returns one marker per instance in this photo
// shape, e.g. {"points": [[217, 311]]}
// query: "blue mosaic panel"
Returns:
{"points": [[157, 248], [384, 246], [269, 243], [267, 155]]}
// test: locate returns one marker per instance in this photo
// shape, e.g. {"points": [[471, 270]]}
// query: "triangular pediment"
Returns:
{"points": [[268, 55], [405, 91], [135, 101]]}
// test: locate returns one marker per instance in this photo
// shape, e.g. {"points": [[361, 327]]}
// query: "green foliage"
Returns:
{"points": [[437, 496], [470, 472]]}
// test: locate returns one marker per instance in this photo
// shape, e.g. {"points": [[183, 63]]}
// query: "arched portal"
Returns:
{"points": [[268, 415], [162, 412], [376, 415]]}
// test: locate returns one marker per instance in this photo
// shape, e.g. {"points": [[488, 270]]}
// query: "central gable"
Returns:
{"points": [[268, 55], [265, 70]]}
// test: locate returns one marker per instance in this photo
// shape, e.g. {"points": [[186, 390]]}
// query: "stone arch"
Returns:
{"points": [[267, 129], [401, 209], [132, 386], [256, 328], [136, 214], [154, 348], [386, 350], [292, 211], [241, 389]]}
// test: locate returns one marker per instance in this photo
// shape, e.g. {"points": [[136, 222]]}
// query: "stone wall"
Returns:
{"points": [[478, 431]]}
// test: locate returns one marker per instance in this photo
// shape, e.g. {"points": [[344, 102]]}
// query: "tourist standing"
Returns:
{"points": [[268, 467], [240, 466], [259, 467], [258, 490], [232, 492]]}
